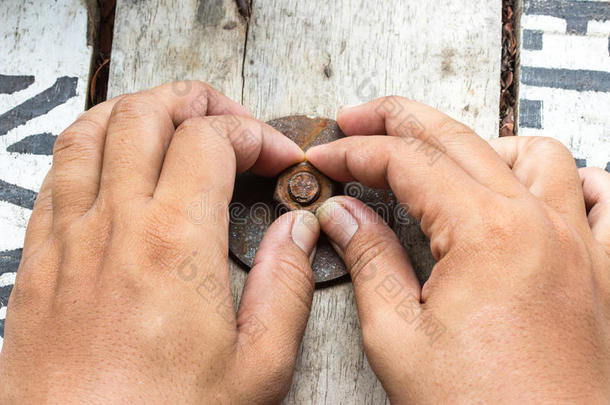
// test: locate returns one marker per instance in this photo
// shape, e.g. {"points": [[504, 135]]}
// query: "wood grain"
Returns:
{"points": [[310, 58], [158, 41]]}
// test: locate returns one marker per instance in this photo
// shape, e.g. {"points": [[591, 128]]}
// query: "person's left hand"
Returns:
{"points": [[123, 293]]}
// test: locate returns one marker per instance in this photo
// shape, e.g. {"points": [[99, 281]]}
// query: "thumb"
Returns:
{"points": [[383, 278], [277, 297]]}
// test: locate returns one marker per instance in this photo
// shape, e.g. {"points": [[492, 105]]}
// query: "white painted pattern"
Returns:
{"points": [[7, 279], [47, 40], [579, 119], [14, 220]]}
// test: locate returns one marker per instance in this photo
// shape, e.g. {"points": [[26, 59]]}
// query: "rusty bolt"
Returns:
{"points": [[303, 188]]}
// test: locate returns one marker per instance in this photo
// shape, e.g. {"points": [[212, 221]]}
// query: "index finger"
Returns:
{"points": [[425, 177], [436, 133]]}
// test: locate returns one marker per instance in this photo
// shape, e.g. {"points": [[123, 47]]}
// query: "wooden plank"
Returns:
{"points": [[43, 87], [564, 78], [158, 41], [309, 58], [445, 55]]}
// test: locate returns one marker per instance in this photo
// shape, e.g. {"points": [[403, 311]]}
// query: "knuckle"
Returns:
{"points": [[133, 106], [199, 92], [200, 87], [78, 141], [363, 251], [32, 285], [296, 276], [215, 129], [548, 146], [394, 99], [392, 107], [449, 126]]}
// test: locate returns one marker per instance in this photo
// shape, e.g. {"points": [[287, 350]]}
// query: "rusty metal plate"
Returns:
{"points": [[258, 201]]}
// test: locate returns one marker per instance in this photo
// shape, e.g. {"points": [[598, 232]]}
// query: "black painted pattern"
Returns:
{"points": [[11, 84], [61, 91], [17, 195], [532, 40], [39, 144], [5, 293], [577, 13], [9, 260], [530, 113], [579, 80]]}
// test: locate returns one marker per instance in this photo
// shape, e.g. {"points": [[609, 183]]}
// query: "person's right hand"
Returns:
{"points": [[517, 309]]}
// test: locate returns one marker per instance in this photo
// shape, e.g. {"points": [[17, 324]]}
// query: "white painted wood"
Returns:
{"points": [[12, 220], [441, 53], [34, 46], [579, 119], [7, 279], [47, 40]]}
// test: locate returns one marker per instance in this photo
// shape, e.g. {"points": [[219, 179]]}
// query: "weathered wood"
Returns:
{"points": [[309, 58], [44, 73], [158, 41], [564, 86]]}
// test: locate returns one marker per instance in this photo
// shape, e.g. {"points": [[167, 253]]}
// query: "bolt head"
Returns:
{"points": [[303, 188]]}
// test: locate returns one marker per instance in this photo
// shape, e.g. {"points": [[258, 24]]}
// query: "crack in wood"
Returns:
{"points": [[243, 61]]}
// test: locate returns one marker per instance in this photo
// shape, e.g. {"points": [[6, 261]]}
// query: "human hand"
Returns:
{"points": [[517, 308], [121, 297]]}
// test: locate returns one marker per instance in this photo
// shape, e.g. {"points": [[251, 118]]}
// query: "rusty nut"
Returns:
{"points": [[303, 187]]}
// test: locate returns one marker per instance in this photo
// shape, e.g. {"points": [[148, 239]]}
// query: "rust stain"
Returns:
{"points": [[313, 134]]}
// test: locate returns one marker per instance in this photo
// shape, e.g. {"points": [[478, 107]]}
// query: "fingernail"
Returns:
{"points": [[305, 231], [338, 223], [312, 256]]}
